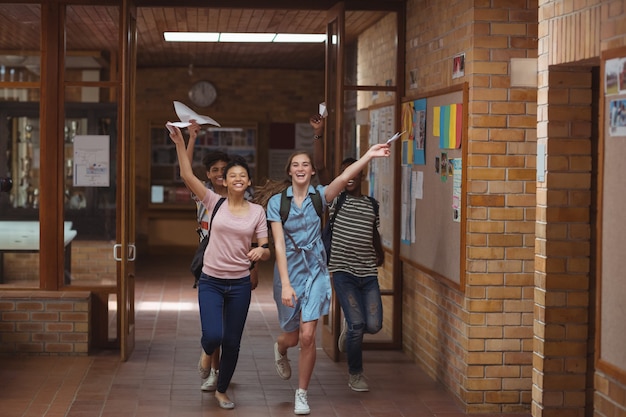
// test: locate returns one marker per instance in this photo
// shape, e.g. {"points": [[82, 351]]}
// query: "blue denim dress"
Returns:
{"points": [[306, 262]]}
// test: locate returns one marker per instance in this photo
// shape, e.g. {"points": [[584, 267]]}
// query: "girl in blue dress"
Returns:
{"points": [[301, 280]]}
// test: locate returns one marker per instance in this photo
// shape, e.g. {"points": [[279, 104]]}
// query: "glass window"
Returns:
{"points": [[20, 33]]}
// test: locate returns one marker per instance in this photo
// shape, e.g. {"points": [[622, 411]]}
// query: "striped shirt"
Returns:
{"points": [[352, 250]]}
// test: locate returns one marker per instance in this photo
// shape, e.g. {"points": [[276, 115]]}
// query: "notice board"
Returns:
{"points": [[432, 184], [381, 175], [611, 309]]}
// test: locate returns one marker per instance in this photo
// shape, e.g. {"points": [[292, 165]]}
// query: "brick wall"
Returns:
{"points": [[565, 381], [500, 210], [92, 263], [44, 322], [563, 249], [478, 339]]}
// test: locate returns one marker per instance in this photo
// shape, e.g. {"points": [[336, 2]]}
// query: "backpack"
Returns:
{"points": [[198, 258], [285, 205]]}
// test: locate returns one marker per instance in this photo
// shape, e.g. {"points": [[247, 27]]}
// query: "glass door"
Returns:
{"points": [[98, 168], [126, 292], [335, 32], [362, 81]]}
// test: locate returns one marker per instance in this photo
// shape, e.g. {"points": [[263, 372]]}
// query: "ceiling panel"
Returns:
{"points": [[94, 28]]}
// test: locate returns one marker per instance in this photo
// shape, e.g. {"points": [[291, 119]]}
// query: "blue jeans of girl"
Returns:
{"points": [[224, 305], [363, 309]]}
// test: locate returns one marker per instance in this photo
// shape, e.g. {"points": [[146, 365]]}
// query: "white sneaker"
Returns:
{"points": [[211, 382], [282, 363], [301, 405]]}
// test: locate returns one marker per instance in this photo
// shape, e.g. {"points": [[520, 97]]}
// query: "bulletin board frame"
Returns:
{"points": [[438, 245], [610, 356]]}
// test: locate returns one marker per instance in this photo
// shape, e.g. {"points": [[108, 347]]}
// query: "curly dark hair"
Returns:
{"points": [[212, 158], [237, 161]]}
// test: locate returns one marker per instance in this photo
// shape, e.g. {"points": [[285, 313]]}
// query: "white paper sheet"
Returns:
{"points": [[395, 137], [185, 114], [322, 110]]}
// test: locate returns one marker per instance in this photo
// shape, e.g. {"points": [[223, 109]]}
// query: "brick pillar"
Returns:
{"points": [[562, 254]]}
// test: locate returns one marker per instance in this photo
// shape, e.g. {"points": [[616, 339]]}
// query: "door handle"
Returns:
{"points": [[116, 248], [132, 252]]}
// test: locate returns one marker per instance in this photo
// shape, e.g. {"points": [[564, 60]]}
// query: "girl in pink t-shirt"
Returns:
{"points": [[224, 288]]}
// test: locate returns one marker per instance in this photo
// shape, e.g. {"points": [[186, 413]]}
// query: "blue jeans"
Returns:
{"points": [[224, 305], [363, 308]]}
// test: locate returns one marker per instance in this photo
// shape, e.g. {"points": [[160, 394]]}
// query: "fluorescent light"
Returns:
{"points": [[224, 129], [300, 37], [247, 37], [244, 37], [191, 36]]}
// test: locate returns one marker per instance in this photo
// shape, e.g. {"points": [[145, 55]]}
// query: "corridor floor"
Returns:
{"points": [[161, 380]]}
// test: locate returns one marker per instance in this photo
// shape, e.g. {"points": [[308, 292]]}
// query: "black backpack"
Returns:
{"points": [[285, 205], [198, 258]]}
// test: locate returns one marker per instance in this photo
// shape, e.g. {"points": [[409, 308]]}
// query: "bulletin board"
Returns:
{"points": [[381, 175], [433, 187], [612, 229]]}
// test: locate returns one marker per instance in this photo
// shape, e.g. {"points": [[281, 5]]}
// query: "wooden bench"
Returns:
{"points": [[23, 236]]}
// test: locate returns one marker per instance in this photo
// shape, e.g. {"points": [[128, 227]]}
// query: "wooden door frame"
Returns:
{"points": [[335, 95]]}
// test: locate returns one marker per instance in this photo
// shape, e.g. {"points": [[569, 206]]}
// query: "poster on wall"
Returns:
{"points": [[456, 165], [615, 85], [381, 173], [414, 141], [615, 76], [458, 66], [448, 125], [617, 117], [91, 160]]}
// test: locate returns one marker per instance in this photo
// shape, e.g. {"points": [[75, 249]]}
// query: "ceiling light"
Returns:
{"points": [[191, 36], [300, 37], [247, 37], [244, 37]]}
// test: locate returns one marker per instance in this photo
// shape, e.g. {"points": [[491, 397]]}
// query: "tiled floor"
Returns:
{"points": [[160, 379]]}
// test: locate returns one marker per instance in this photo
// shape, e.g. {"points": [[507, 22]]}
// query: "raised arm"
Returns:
{"points": [[194, 129], [378, 150], [192, 182], [318, 122]]}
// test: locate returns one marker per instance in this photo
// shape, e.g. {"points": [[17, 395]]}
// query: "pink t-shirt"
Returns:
{"points": [[231, 239]]}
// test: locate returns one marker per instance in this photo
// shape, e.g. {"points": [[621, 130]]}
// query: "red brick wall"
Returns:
{"points": [[44, 323]]}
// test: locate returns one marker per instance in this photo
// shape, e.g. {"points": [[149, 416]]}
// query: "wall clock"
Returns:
{"points": [[202, 93]]}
